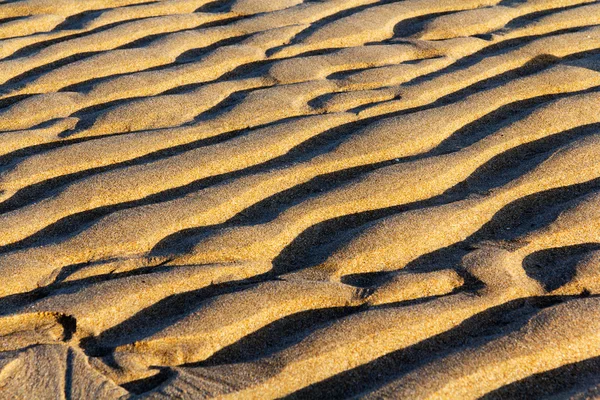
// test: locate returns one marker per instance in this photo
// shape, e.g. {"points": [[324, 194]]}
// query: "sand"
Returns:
{"points": [[334, 199]]}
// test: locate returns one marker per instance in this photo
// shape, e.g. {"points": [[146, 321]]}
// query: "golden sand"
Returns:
{"points": [[255, 199]]}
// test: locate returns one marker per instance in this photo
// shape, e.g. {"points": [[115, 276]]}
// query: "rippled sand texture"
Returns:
{"points": [[299, 198]]}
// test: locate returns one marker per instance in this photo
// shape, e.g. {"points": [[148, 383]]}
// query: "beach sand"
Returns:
{"points": [[328, 199]]}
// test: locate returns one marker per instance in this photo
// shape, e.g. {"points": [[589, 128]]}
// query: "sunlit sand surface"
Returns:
{"points": [[326, 199]]}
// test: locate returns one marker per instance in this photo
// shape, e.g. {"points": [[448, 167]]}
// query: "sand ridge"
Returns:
{"points": [[295, 198]]}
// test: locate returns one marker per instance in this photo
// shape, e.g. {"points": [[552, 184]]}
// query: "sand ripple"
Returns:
{"points": [[304, 199]]}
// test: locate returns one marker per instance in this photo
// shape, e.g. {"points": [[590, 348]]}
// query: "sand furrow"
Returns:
{"points": [[116, 300], [350, 342], [78, 69], [554, 337], [398, 184], [394, 241], [489, 19], [105, 40], [167, 48], [428, 91], [145, 83], [373, 24], [216, 324], [322, 199], [30, 25], [185, 341], [388, 139], [394, 235], [273, 141], [111, 235], [62, 7], [99, 19]]}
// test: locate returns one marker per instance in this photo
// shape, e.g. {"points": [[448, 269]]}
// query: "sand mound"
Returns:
{"points": [[313, 199]]}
